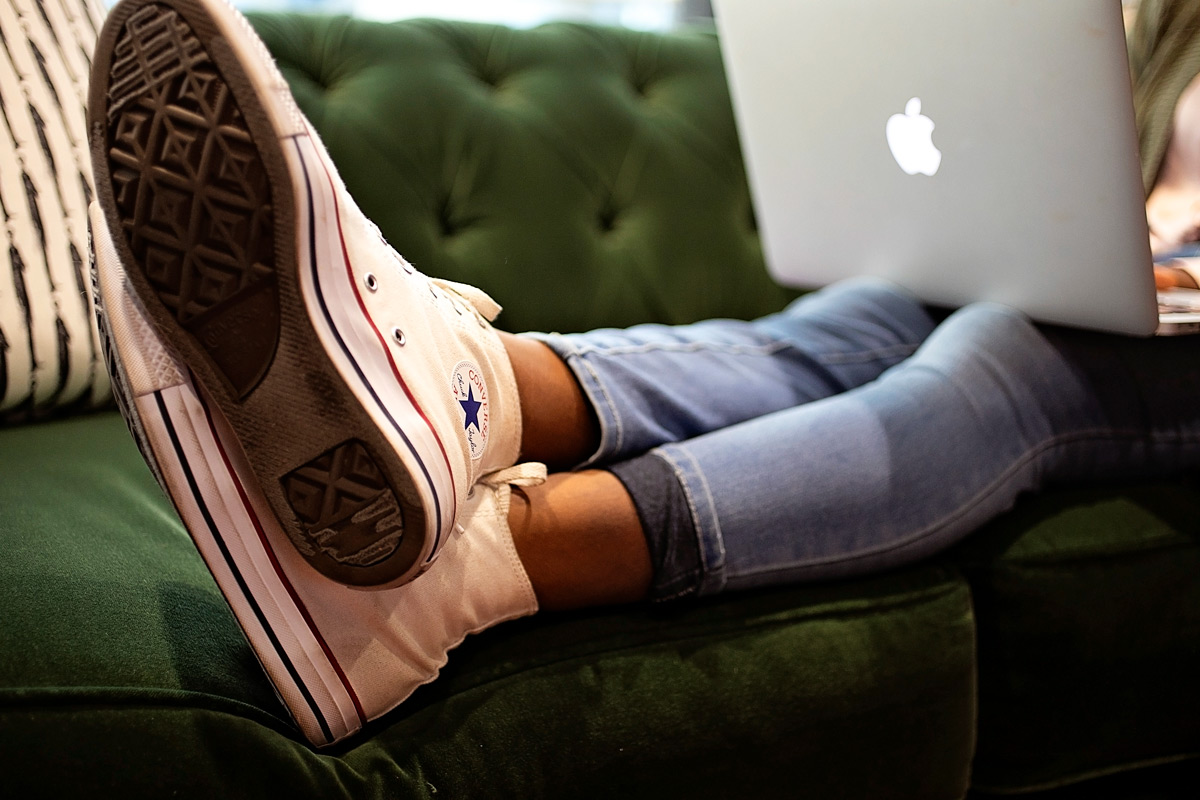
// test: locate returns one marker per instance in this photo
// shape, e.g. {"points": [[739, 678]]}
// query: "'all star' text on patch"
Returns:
{"points": [[470, 392]]}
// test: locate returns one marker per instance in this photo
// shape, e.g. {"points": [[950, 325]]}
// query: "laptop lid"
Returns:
{"points": [[981, 150]]}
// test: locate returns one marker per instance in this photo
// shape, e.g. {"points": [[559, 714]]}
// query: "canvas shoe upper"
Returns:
{"points": [[366, 398]]}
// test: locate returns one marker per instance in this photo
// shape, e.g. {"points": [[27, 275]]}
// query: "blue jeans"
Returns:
{"points": [[849, 433]]}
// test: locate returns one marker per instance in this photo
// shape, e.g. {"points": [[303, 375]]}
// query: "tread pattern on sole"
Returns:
{"points": [[350, 514], [193, 195]]}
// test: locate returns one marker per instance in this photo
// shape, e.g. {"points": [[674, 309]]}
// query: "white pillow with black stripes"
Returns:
{"points": [[50, 357]]}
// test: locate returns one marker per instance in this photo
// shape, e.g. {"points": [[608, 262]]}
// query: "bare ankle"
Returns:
{"points": [[580, 541], [559, 426]]}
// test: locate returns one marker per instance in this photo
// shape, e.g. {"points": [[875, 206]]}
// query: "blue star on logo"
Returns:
{"points": [[471, 409]]}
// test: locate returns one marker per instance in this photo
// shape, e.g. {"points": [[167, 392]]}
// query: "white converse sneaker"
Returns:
{"points": [[338, 656], [366, 397]]}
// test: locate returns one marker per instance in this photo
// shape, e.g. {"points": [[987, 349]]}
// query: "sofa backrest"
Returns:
{"points": [[585, 176]]}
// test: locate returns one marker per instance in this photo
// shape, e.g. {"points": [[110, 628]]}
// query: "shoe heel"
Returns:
{"points": [[351, 520]]}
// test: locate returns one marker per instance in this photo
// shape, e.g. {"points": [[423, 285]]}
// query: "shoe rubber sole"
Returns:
{"points": [[196, 188]]}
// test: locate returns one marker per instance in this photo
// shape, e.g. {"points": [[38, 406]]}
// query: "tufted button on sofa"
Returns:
{"points": [[587, 176]]}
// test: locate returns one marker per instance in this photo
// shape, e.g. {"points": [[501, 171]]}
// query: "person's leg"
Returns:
{"points": [[989, 408], [825, 343], [608, 395], [580, 540], [885, 474]]}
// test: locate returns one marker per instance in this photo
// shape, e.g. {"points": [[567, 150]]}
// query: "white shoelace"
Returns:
{"points": [[529, 473]]}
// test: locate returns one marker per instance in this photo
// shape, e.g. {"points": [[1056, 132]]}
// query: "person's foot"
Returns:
{"points": [[320, 413], [367, 397]]}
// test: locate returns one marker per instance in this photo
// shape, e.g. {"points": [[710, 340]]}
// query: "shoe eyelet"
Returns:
{"points": [[371, 281], [398, 336]]}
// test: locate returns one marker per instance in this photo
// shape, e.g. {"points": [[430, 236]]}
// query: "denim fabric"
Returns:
{"points": [[664, 510], [816, 443], [652, 384]]}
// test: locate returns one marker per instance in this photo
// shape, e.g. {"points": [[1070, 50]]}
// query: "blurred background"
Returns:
{"points": [[654, 15], [640, 14]]}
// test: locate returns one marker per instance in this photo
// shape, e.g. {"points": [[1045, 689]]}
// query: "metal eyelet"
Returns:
{"points": [[371, 281], [398, 336]]}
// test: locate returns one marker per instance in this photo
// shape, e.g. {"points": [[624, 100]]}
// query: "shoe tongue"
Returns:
{"points": [[481, 300]]}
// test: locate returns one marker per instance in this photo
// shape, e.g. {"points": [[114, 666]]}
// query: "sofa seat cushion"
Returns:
{"points": [[1088, 608], [124, 672]]}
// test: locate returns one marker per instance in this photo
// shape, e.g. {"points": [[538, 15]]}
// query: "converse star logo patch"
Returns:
{"points": [[470, 392]]}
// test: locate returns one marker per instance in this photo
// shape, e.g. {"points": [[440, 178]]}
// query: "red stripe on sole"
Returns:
{"points": [[287, 585]]}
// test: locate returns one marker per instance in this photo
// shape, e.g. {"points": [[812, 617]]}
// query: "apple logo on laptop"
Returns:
{"points": [[910, 136]]}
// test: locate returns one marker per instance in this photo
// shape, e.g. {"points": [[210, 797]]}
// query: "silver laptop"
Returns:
{"points": [[966, 150]]}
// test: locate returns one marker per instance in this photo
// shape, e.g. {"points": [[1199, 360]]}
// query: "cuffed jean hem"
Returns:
{"points": [[665, 514], [705, 528], [593, 389]]}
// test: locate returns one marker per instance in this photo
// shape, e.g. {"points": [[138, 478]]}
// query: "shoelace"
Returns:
{"points": [[529, 473]]}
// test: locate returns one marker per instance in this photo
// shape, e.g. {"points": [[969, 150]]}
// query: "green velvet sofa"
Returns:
{"points": [[588, 176]]}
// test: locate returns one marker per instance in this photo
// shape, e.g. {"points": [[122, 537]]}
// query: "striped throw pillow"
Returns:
{"points": [[50, 357]]}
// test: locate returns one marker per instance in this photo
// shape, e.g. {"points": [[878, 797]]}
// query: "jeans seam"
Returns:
{"points": [[688, 347], [992, 488], [764, 350], [874, 354], [715, 571], [612, 413], [692, 577]]}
